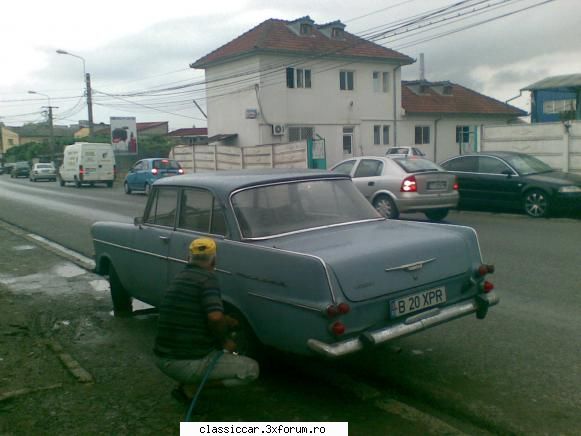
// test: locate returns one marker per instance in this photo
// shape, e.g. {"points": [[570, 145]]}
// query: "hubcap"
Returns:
{"points": [[536, 204], [384, 207]]}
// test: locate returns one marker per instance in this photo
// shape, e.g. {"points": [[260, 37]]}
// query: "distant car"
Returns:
{"points": [[400, 184], [20, 169], [4, 169], [43, 171], [404, 151], [146, 171], [514, 180], [304, 262]]}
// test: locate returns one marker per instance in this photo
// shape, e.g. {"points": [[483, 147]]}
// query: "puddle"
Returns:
{"points": [[69, 270], [100, 285], [24, 247]]}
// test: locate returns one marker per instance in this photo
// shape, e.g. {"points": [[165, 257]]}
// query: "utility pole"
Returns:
{"points": [[51, 130], [200, 109], [89, 102]]}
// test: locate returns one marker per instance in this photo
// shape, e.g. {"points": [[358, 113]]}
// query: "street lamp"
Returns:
{"points": [[50, 122], [87, 78]]}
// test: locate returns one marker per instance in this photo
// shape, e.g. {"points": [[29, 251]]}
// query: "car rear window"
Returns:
{"points": [[44, 166], [397, 151], [416, 165], [166, 164]]}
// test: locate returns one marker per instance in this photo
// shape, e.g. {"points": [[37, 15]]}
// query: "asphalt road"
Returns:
{"points": [[518, 371]]}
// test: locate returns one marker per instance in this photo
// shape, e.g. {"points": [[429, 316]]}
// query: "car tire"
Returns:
{"points": [[536, 203], [126, 188], [109, 184], [385, 205], [61, 181], [122, 301], [147, 188], [77, 182], [247, 344], [436, 214]]}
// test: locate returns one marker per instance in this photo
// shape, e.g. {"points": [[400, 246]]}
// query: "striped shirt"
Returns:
{"points": [[182, 327]]}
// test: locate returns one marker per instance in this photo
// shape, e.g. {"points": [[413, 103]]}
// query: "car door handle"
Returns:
{"points": [[164, 238], [370, 183]]}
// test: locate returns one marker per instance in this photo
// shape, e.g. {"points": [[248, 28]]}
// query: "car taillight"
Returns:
{"points": [[343, 308], [456, 186], [338, 328], [485, 269], [81, 170], [154, 171], [180, 171], [487, 286], [409, 184]]}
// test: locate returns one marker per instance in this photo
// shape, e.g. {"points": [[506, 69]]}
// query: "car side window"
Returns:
{"points": [[344, 168], [138, 166], [490, 165], [200, 212], [369, 168], [162, 209], [466, 164]]}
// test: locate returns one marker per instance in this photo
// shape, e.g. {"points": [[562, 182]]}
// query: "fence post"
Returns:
{"points": [[272, 156], [193, 158], [215, 156]]}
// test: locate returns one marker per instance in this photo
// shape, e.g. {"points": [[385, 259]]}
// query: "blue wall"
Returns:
{"points": [[542, 95]]}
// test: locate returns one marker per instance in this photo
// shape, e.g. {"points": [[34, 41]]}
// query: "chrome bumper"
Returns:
{"points": [[413, 324]]}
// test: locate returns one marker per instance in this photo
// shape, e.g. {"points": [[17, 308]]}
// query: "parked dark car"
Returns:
{"points": [[20, 169], [7, 168], [514, 180], [146, 171], [305, 263]]}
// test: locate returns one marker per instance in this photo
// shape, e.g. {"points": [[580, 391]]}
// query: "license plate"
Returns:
{"points": [[439, 185], [419, 301]]}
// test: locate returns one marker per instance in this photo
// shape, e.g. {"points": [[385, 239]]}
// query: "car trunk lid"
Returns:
{"points": [[381, 258], [434, 182]]}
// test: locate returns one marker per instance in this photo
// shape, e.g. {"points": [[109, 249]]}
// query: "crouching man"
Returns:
{"points": [[192, 329]]}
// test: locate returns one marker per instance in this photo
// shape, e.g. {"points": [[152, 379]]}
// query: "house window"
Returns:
{"points": [[300, 133], [298, 78], [336, 32], [422, 135], [558, 106], [385, 135], [346, 80], [305, 29], [380, 135], [462, 134], [348, 140], [380, 81]]}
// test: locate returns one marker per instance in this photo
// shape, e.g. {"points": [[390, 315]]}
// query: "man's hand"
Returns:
{"points": [[229, 345], [231, 322]]}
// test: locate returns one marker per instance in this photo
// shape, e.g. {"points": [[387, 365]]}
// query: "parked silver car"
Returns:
{"points": [[399, 184], [404, 151], [42, 171]]}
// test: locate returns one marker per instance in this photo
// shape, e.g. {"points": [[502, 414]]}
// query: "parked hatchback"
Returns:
{"points": [[400, 184], [20, 169], [514, 180], [43, 171], [146, 171]]}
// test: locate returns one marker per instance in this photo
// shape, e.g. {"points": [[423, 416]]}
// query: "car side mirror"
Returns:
{"points": [[137, 221]]}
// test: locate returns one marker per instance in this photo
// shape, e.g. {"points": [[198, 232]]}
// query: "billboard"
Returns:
{"points": [[124, 135]]}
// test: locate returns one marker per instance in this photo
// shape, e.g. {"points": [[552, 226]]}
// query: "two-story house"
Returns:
{"points": [[284, 81]]}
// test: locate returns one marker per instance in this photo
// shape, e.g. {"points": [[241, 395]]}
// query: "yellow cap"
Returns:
{"points": [[203, 246]]}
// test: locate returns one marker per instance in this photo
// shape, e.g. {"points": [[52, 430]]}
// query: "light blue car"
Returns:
{"points": [[305, 263], [145, 172]]}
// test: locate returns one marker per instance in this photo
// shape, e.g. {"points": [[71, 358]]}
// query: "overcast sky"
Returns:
{"points": [[132, 46]]}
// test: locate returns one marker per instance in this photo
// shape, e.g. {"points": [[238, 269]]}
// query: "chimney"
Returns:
{"points": [[422, 68]]}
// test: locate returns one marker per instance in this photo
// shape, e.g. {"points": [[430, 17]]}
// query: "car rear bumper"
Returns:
{"points": [[414, 202], [412, 324]]}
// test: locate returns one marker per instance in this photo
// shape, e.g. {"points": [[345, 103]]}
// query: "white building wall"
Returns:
{"points": [[324, 106], [443, 143]]}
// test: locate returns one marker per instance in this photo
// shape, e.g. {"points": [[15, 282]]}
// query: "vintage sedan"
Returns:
{"points": [[304, 261]]}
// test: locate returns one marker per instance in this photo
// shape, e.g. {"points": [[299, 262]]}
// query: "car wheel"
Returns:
{"points": [[147, 188], [109, 184], [61, 182], [122, 301], [536, 203], [386, 206], [126, 188], [436, 214], [77, 182], [247, 344]]}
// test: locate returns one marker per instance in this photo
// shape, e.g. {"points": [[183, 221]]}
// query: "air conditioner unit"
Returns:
{"points": [[278, 129]]}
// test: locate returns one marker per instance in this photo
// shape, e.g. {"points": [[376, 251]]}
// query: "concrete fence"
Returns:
{"points": [[213, 157], [557, 144]]}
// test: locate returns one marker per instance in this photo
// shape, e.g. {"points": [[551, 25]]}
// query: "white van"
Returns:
{"points": [[86, 162]]}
